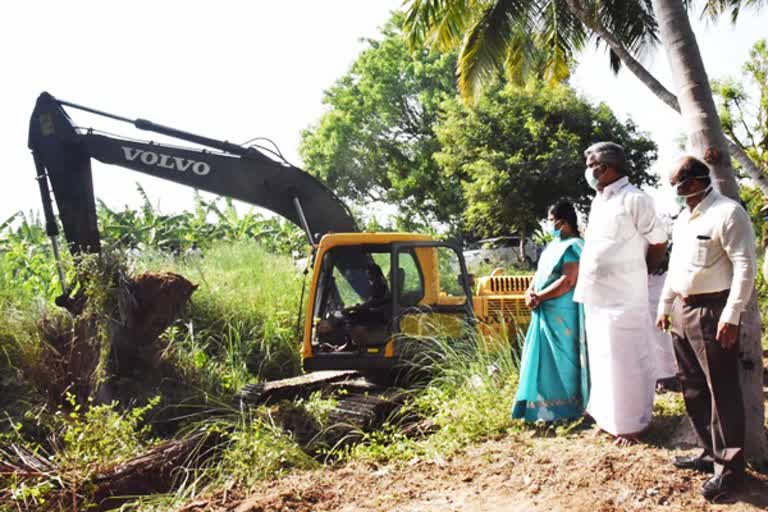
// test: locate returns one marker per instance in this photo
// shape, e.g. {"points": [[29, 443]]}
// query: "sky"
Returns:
{"points": [[237, 70]]}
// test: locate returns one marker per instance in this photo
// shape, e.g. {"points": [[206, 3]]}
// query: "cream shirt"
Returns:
{"points": [[713, 250], [612, 269]]}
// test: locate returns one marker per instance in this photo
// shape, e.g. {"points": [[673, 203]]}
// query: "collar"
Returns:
{"points": [[614, 187], [705, 203]]}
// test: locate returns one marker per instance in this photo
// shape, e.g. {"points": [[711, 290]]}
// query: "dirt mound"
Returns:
{"points": [[83, 353], [147, 305], [150, 302]]}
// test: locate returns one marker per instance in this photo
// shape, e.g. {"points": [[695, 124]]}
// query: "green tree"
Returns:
{"points": [[375, 143], [743, 106], [526, 37], [517, 150]]}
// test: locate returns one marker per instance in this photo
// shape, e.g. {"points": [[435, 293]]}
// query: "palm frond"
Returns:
{"points": [[715, 8], [633, 24], [485, 45], [524, 58], [438, 23], [561, 35]]}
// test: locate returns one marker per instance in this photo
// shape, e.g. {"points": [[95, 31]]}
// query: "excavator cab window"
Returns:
{"points": [[445, 311], [355, 306]]}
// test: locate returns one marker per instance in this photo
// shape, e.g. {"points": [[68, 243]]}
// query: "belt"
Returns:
{"points": [[701, 299]]}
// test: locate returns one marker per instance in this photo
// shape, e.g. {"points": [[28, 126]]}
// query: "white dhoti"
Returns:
{"points": [[664, 353], [621, 367]]}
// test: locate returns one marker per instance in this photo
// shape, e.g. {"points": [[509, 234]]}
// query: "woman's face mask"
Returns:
{"points": [[552, 228]]}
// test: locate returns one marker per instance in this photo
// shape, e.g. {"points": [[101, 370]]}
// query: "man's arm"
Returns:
{"points": [[738, 241], [647, 224]]}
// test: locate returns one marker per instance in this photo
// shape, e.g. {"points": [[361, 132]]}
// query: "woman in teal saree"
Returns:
{"points": [[554, 378]]}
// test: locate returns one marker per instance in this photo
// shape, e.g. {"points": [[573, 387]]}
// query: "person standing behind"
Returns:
{"points": [[622, 243], [711, 276], [666, 369], [554, 379]]}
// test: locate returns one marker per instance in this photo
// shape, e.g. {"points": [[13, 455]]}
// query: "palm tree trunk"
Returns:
{"points": [[705, 135]]}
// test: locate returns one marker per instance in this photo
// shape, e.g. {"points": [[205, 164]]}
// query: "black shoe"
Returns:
{"points": [[696, 463], [719, 487]]}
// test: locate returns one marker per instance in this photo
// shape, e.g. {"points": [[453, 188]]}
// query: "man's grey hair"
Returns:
{"points": [[609, 153]]}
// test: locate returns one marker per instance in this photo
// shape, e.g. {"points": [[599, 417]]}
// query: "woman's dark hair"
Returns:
{"points": [[565, 211]]}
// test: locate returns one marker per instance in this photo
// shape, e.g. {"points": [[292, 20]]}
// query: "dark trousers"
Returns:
{"points": [[710, 381]]}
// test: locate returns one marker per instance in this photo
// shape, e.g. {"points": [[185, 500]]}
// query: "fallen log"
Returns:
{"points": [[155, 471], [294, 387]]}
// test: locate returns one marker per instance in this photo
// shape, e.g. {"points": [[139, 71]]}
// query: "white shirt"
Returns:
{"points": [[713, 250], [612, 269]]}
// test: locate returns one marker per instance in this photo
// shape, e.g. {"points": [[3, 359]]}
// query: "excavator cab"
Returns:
{"points": [[374, 296]]}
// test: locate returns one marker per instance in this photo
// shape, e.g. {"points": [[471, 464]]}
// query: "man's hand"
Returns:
{"points": [[726, 334], [663, 322]]}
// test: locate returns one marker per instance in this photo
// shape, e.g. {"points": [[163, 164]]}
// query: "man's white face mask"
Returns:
{"points": [[681, 199], [589, 175]]}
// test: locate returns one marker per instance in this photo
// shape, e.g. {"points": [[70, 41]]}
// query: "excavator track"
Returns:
{"points": [[360, 405]]}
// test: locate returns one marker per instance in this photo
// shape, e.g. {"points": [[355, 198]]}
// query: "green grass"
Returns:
{"points": [[240, 325]]}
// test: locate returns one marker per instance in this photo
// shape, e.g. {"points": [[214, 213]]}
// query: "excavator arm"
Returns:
{"points": [[63, 153]]}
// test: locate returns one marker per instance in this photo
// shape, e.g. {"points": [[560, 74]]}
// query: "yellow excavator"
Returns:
{"points": [[371, 295]]}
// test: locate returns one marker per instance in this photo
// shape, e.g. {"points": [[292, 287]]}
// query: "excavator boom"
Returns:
{"points": [[62, 155]]}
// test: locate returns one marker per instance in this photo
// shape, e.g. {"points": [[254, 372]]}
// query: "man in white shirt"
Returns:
{"points": [[623, 240], [711, 275]]}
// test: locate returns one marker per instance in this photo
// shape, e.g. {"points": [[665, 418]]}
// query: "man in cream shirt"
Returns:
{"points": [[623, 241], [711, 275]]}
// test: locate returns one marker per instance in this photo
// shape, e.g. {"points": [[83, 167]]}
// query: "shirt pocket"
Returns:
{"points": [[704, 252]]}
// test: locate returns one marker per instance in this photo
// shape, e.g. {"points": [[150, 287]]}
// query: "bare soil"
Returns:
{"points": [[521, 472]]}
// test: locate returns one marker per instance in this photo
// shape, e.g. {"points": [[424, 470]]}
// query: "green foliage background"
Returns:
{"points": [[396, 133]]}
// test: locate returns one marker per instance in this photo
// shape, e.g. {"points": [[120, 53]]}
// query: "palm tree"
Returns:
{"points": [[524, 36]]}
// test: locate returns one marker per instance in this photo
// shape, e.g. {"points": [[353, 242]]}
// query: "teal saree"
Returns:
{"points": [[554, 377]]}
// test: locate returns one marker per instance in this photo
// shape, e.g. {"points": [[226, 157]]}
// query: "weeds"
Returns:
{"points": [[238, 328]]}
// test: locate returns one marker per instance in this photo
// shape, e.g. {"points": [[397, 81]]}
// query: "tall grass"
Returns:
{"points": [[240, 324], [467, 397]]}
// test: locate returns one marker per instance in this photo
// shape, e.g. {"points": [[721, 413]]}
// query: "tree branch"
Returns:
{"points": [[627, 59], [744, 122]]}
